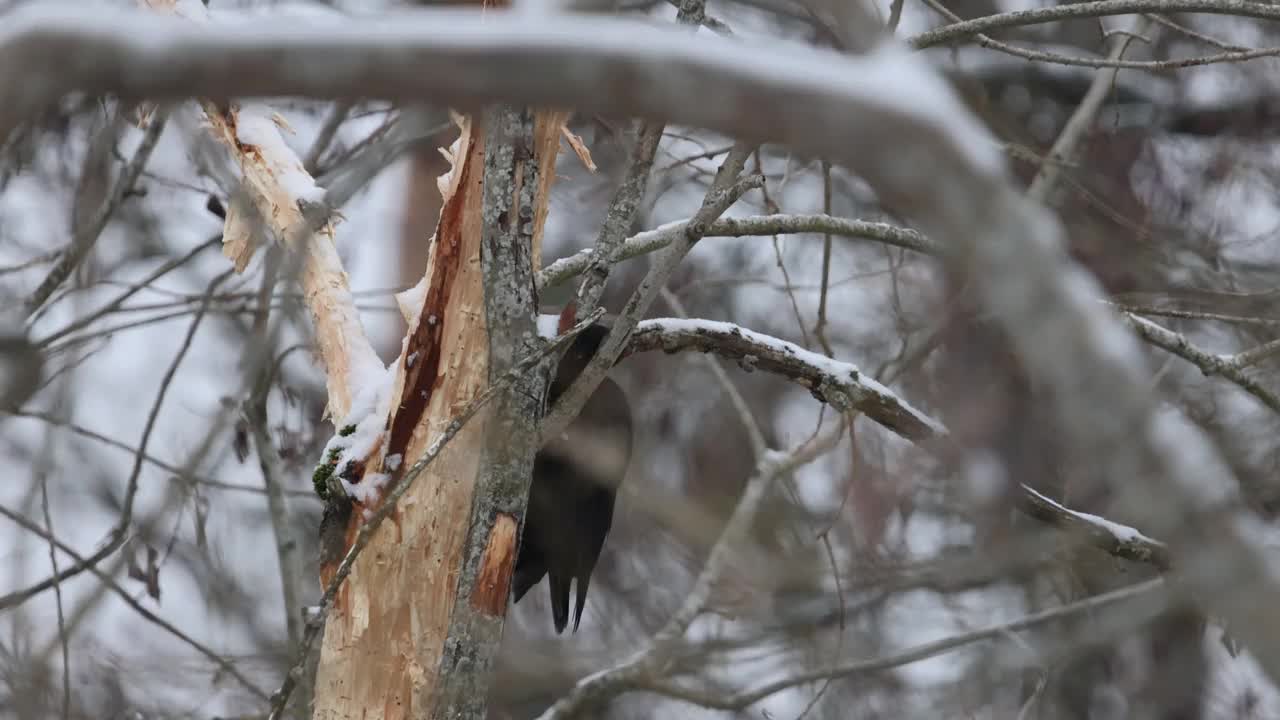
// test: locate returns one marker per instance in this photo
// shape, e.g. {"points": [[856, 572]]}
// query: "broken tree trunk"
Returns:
{"points": [[413, 631]]}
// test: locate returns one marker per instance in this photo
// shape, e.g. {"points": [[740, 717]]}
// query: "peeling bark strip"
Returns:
{"points": [[493, 581], [422, 375], [382, 645]]}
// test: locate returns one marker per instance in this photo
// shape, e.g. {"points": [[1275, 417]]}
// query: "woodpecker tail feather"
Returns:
{"points": [[559, 586]]}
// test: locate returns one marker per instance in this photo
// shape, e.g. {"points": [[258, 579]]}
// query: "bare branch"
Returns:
{"points": [[87, 235], [1134, 593], [725, 190], [120, 531], [1097, 8], [1230, 367], [660, 237], [129, 600]]}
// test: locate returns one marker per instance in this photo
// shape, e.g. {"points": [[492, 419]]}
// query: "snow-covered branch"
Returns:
{"points": [[845, 387], [287, 199], [854, 108], [840, 384], [1119, 540]]}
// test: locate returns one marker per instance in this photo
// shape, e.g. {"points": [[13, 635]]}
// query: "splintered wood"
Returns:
{"points": [[386, 634], [278, 186]]}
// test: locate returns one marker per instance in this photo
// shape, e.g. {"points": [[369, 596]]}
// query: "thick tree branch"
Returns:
{"points": [[619, 67], [511, 196]]}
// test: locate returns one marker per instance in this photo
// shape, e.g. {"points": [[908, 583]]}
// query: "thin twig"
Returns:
{"points": [[87, 235], [924, 651], [118, 534], [132, 290], [644, 666], [222, 663], [724, 192], [754, 435], [1094, 9], [178, 474], [63, 640]]}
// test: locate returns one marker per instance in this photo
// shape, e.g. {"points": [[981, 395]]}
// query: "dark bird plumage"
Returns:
{"points": [[575, 481]]}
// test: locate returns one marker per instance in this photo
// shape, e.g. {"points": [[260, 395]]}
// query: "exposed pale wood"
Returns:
{"points": [[343, 345], [386, 632], [546, 132]]}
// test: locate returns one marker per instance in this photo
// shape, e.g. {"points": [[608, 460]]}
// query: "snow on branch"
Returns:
{"points": [[845, 387], [840, 384], [287, 198], [1119, 540], [855, 109]]}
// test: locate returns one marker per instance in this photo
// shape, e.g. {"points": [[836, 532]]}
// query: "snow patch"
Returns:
{"points": [[369, 489], [257, 127], [549, 326], [412, 300], [1122, 533]]}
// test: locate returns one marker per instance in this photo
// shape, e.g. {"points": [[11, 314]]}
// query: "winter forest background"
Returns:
{"points": [[1046, 495]]}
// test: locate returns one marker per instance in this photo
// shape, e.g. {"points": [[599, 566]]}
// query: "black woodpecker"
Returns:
{"points": [[575, 481]]}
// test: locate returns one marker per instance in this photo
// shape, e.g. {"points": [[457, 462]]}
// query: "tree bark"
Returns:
{"points": [[414, 631]]}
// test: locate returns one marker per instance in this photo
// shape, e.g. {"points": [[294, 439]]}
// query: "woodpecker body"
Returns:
{"points": [[575, 481]]}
